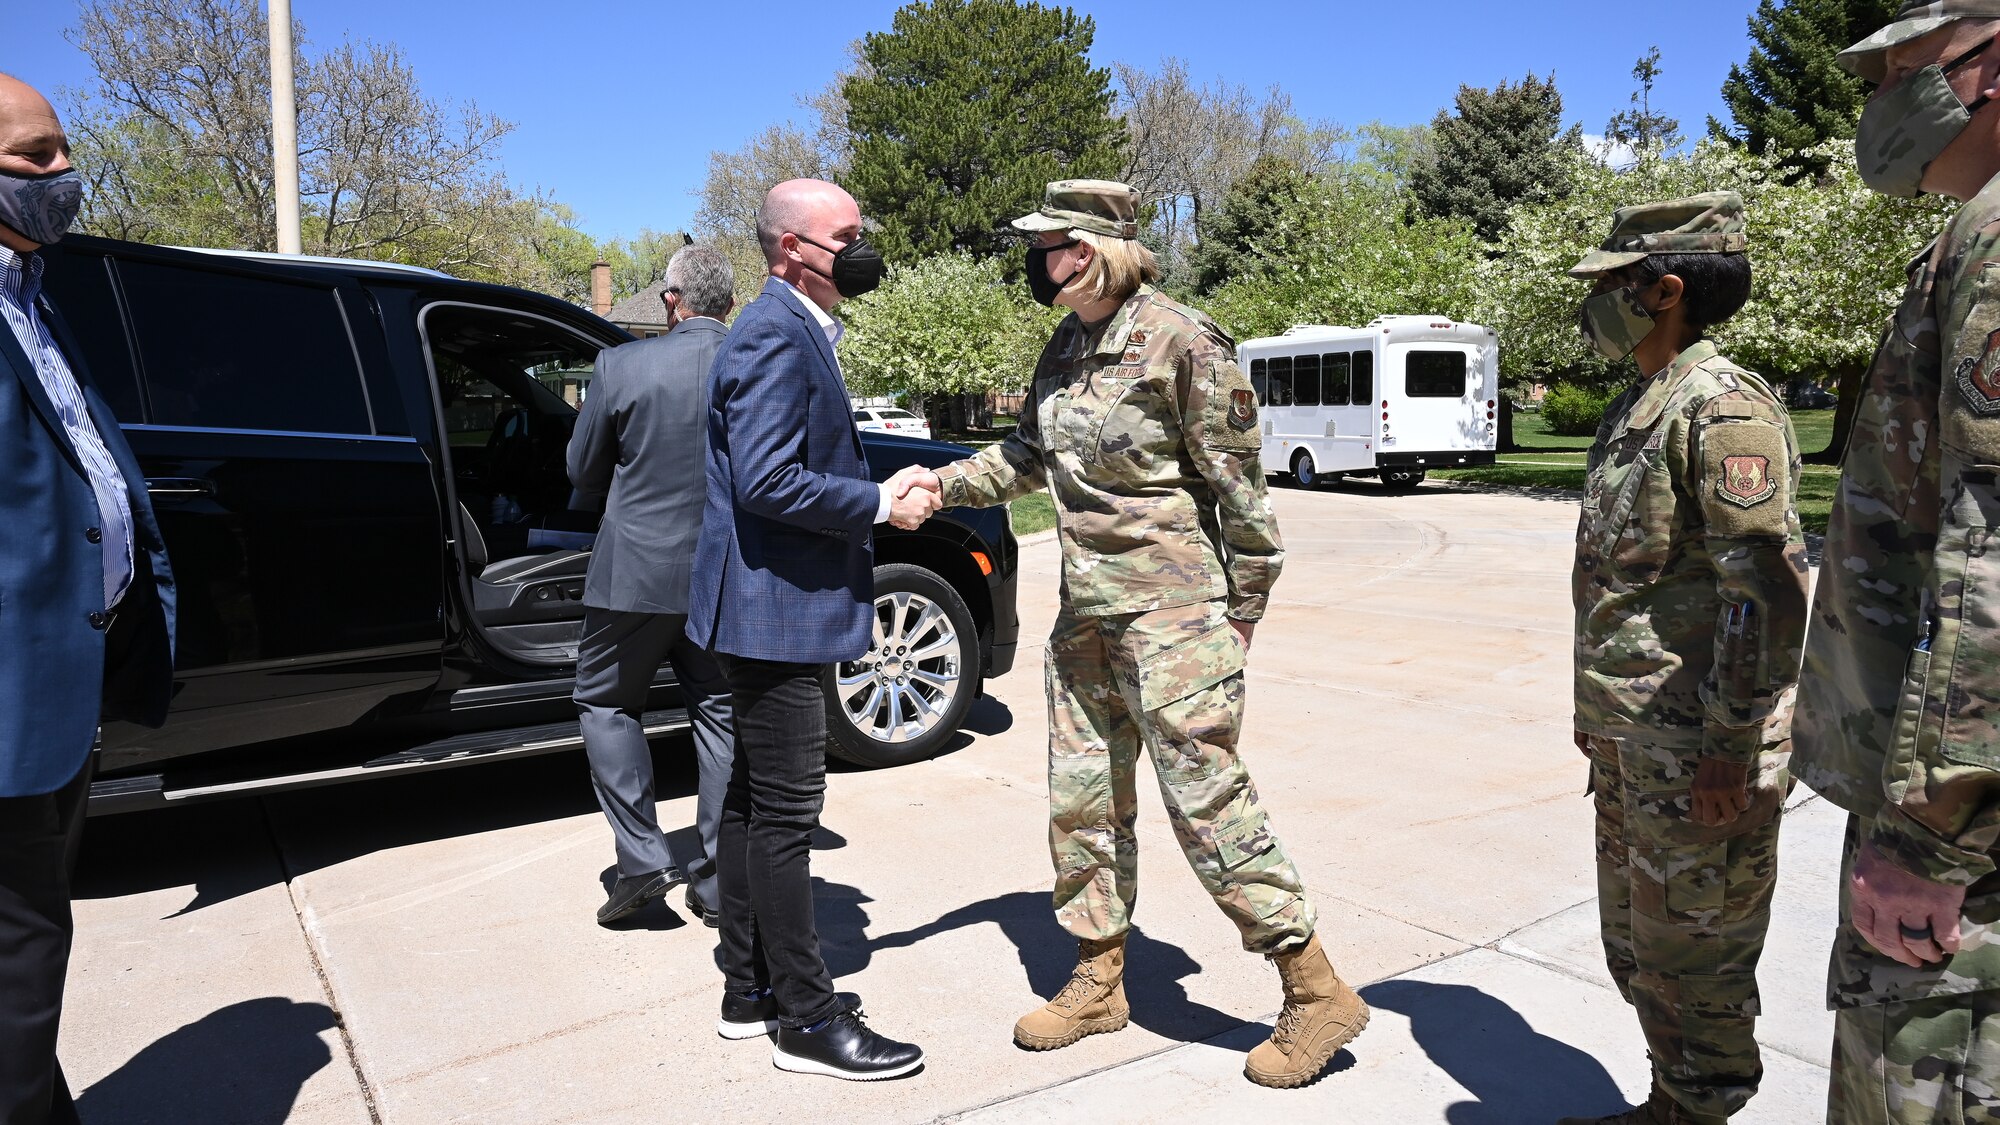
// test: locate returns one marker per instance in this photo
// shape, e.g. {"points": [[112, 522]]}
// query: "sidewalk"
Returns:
{"points": [[422, 951]]}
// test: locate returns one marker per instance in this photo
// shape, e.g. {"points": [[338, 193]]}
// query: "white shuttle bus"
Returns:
{"points": [[1395, 399]]}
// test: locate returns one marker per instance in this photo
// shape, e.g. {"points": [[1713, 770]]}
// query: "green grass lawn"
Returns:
{"points": [[1034, 512], [1547, 460]]}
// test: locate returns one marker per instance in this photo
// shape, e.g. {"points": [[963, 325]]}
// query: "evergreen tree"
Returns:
{"points": [[1499, 148], [1792, 95], [1250, 225], [1639, 127], [963, 112]]}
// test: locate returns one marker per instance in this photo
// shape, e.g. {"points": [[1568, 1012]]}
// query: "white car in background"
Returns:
{"points": [[891, 420]]}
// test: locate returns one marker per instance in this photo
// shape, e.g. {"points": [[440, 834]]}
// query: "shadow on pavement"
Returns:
{"points": [[240, 1065], [1515, 1072], [1154, 970]]}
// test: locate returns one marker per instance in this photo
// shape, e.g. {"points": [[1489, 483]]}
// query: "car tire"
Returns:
{"points": [[886, 709], [1303, 471]]}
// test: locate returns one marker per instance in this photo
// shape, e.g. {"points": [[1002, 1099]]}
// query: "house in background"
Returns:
{"points": [[642, 314]]}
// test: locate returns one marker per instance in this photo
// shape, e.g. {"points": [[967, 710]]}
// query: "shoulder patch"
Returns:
{"points": [[1242, 410], [1978, 378], [1746, 480]]}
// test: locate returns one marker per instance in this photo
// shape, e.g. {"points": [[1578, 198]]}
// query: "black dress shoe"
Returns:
{"points": [[631, 892], [844, 1047], [747, 1018], [710, 918]]}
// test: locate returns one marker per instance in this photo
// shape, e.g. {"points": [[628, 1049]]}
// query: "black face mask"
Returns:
{"points": [[1040, 284], [857, 266]]}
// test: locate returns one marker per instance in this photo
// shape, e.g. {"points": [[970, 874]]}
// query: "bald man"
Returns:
{"points": [[783, 586], [86, 604]]}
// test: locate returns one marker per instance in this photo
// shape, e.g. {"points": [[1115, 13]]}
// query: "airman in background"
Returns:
{"points": [[1690, 593]]}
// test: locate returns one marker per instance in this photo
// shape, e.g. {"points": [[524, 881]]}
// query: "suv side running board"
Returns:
{"points": [[521, 742]]}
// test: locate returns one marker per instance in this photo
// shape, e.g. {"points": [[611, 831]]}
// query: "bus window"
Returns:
{"points": [[1257, 381], [1364, 378], [1281, 380], [1333, 369], [1305, 379], [1434, 374]]}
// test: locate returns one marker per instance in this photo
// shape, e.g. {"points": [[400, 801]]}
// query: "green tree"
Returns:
{"points": [[1499, 147], [963, 112], [1827, 264], [949, 324], [1252, 225], [1638, 126], [1792, 94], [1345, 250]]}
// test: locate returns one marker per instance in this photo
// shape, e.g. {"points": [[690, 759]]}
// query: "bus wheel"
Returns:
{"points": [[1402, 480], [1303, 471]]}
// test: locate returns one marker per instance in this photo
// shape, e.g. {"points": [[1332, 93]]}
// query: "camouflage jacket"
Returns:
{"points": [[1690, 581], [1147, 432], [1902, 673]]}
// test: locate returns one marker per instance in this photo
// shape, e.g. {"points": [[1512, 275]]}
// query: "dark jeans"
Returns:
{"points": [[38, 844], [776, 791]]}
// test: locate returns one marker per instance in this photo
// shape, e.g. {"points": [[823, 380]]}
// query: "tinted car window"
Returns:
{"points": [[80, 288], [1434, 374], [233, 353], [1333, 366], [1364, 377], [1305, 379]]}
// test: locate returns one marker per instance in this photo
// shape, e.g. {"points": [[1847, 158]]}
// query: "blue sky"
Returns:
{"points": [[619, 104]]}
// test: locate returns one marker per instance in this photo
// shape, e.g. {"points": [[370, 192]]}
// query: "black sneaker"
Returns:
{"points": [[746, 1018], [844, 1047], [631, 892], [710, 918]]}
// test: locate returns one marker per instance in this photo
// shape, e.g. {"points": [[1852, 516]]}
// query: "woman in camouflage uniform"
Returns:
{"points": [[1690, 590], [1146, 432]]}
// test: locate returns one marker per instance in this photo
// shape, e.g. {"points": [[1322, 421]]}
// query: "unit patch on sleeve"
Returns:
{"points": [[1746, 480], [1243, 410], [1979, 378]]}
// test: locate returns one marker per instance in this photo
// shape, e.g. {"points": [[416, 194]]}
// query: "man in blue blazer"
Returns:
{"points": [[784, 585], [86, 605]]}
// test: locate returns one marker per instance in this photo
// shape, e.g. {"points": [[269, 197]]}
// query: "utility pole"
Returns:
{"points": [[284, 128]]}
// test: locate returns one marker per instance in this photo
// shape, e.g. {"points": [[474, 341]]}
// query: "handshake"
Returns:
{"points": [[915, 495]]}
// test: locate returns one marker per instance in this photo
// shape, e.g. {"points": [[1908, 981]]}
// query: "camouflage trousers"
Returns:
{"points": [[1169, 681], [1908, 1062], [1683, 909]]}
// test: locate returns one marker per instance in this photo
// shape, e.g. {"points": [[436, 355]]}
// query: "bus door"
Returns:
{"points": [[1347, 391]]}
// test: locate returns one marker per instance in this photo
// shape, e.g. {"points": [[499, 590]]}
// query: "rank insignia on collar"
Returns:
{"points": [[1979, 379], [1243, 410], [1746, 480]]}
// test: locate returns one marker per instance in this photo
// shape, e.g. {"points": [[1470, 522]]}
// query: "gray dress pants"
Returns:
{"points": [[615, 664]]}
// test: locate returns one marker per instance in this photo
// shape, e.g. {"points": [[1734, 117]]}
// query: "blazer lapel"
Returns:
{"points": [[38, 395], [794, 302]]}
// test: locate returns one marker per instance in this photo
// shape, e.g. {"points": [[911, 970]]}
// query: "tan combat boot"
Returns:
{"points": [[1659, 1108], [1321, 1015], [1092, 1002]]}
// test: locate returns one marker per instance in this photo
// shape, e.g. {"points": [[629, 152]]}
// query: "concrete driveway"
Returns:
{"points": [[423, 950]]}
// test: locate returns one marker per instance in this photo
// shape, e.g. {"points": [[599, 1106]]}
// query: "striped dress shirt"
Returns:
{"points": [[20, 289]]}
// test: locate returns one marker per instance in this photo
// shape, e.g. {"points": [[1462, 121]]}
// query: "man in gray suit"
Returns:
{"points": [[642, 443]]}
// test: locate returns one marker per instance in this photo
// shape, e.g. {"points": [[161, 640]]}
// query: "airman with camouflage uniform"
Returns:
{"points": [[1145, 430], [1690, 594], [1897, 706]]}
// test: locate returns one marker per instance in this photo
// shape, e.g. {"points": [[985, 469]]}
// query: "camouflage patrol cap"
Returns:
{"points": [[1710, 223], [1917, 18], [1098, 206]]}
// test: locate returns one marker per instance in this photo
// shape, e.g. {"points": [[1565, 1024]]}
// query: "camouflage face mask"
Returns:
{"points": [[1615, 322], [1905, 127]]}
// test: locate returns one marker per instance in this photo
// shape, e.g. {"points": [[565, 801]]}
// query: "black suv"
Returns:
{"points": [[359, 469]]}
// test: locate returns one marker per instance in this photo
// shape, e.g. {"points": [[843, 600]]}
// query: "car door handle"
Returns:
{"points": [[178, 488]]}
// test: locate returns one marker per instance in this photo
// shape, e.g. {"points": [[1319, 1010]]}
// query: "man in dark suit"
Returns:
{"points": [[643, 439], [86, 602], [784, 584]]}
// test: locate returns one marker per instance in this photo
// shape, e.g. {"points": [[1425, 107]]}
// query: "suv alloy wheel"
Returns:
{"points": [[905, 698]]}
